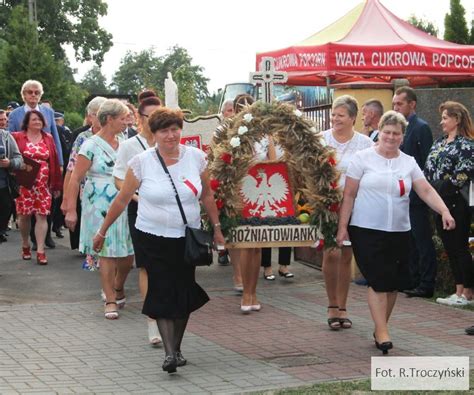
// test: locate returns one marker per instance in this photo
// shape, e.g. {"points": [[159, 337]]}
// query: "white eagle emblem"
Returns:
{"points": [[266, 195]]}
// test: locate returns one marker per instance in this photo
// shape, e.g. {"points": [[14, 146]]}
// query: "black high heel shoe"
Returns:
{"points": [[180, 360], [170, 364], [384, 347]]}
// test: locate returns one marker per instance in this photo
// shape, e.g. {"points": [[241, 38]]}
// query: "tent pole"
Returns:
{"points": [[328, 91]]}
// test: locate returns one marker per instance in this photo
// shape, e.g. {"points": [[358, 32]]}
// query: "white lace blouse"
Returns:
{"points": [[158, 212], [345, 151]]}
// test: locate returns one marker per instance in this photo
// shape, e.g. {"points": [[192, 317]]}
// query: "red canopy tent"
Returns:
{"points": [[371, 44]]}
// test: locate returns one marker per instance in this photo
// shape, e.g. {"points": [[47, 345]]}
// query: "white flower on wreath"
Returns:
{"points": [[234, 142], [243, 129], [297, 113], [248, 117], [312, 129], [322, 140]]}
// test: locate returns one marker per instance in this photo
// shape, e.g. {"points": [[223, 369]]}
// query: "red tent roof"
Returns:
{"points": [[372, 44]]}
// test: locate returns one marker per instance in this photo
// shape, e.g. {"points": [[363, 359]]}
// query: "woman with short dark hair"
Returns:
{"points": [[35, 144], [173, 293]]}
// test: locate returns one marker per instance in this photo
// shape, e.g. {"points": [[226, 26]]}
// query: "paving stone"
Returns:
{"points": [[64, 345]]}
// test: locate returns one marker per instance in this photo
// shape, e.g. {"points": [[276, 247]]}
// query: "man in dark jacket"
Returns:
{"points": [[417, 142]]}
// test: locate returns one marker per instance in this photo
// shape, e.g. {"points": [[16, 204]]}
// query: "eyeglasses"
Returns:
{"points": [[144, 115], [31, 92]]}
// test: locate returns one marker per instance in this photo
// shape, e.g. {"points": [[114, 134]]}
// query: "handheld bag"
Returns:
{"points": [[198, 242]]}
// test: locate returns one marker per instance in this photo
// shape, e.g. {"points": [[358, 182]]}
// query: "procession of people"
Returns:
{"points": [[130, 188]]}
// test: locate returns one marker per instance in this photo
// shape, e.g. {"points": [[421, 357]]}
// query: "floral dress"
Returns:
{"points": [[76, 147], [450, 166], [36, 200], [99, 192]]}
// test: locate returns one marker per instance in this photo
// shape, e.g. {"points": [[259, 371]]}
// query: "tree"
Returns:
{"points": [[471, 36], [138, 71], [94, 81], [422, 24], [74, 22], [146, 70], [26, 58], [191, 82], [455, 25]]}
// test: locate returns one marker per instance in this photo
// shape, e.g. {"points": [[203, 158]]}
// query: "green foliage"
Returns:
{"points": [[25, 58], [455, 25], [94, 81], [191, 82], [424, 25], [73, 120], [137, 71], [145, 69], [208, 106], [60, 22], [471, 35]]}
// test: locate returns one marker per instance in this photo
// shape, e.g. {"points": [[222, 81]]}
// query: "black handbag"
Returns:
{"points": [[13, 186], [198, 242]]}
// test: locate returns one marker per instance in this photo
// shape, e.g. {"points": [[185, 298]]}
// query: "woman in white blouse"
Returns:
{"points": [[172, 289], [376, 201], [337, 261], [127, 150]]}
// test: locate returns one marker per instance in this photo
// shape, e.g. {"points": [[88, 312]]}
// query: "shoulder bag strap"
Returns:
{"points": [[144, 149], [178, 200]]}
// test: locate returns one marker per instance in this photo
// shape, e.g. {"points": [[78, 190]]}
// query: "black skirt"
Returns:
{"points": [[132, 219], [382, 257], [172, 288]]}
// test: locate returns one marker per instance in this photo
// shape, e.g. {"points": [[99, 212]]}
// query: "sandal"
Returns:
{"points": [[120, 301], [111, 314], [346, 323], [26, 253], [334, 322], [41, 258]]}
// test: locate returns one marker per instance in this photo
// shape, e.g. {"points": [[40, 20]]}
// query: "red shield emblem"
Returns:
{"points": [[266, 191]]}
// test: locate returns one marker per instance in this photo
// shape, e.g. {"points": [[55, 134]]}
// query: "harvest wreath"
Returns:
{"points": [[311, 164]]}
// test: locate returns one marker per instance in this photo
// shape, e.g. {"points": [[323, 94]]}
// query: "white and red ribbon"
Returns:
{"points": [[190, 185]]}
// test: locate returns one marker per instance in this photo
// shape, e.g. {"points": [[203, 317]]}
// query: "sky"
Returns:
{"points": [[224, 37]]}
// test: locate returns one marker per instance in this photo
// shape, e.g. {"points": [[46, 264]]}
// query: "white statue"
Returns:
{"points": [[171, 92]]}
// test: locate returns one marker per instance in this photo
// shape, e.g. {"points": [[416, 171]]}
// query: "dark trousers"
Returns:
{"points": [[74, 236], [456, 241], [284, 256], [422, 254], [5, 209], [57, 214]]}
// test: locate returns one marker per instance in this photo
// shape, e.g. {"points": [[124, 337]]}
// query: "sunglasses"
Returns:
{"points": [[144, 115], [31, 92]]}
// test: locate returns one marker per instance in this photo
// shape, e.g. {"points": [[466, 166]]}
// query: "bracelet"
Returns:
{"points": [[217, 225], [100, 234]]}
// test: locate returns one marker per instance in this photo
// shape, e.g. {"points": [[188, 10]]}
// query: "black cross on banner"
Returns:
{"points": [[267, 76]]}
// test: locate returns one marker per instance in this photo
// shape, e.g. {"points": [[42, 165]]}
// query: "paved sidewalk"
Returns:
{"points": [[54, 339]]}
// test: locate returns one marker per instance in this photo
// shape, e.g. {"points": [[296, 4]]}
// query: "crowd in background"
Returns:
{"points": [[105, 182]]}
